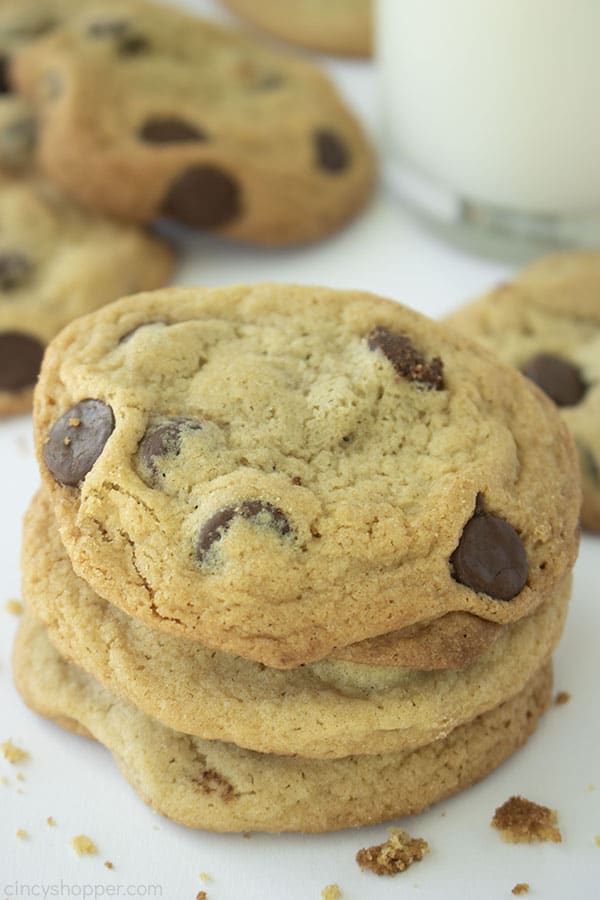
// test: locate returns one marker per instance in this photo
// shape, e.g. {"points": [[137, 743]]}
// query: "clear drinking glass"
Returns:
{"points": [[491, 113]]}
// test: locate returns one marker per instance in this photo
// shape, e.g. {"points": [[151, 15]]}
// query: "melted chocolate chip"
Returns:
{"points": [[406, 360], [15, 269], [169, 131], [20, 360], [77, 439], [164, 439], [332, 153], [213, 530], [557, 377], [5, 85], [490, 557], [203, 197]]}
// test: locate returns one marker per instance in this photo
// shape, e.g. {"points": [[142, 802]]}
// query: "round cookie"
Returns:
{"points": [[343, 27], [58, 262], [328, 709], [194, 124], [278, 470], [221, 787], [547, 324]]}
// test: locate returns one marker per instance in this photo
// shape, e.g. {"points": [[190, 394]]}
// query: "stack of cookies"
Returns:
{"points": [[300, 558], [118, 113]]}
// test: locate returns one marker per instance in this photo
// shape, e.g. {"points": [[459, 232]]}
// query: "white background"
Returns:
{"points": [[77, 783]]}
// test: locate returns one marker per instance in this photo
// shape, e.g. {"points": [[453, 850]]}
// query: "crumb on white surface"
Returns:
{"points": [[83, 845], [13, 753], [393, 856], [331, 892], [520, 821]]}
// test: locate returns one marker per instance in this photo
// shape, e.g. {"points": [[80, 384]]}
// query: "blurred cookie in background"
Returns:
{"points": [[57, 262], [150, 113], [546, 323]]}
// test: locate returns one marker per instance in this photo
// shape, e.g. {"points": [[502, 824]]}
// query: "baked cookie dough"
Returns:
{"points": [[58, 262], [278, 471], [327, 709], [546, 323], [221, 787], [343, 27], [150, 113]]}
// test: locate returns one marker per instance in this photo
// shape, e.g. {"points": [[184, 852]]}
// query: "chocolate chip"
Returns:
{"points": [[203, 197], [268, 82], [164, 439], [127, 41], [213, 530], [15, 269], [169, 131], [490, 557], [77, 439], [557, 377], [20, 360], [406, 360], [332, 152], [5, 85], [133, 45]]}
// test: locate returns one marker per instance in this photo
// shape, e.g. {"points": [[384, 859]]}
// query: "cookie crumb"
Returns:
{"points": [[597, 840], [521, 888], [83, 845], [108, 864], [521, 821], [20, 776], [561, 698], [12, 753], [204, 876], [14, 607], [591, 788], [51, 821], [395, 855], [201, 895], [4, 780], [21, 833], [331, 892], [247, 835]]}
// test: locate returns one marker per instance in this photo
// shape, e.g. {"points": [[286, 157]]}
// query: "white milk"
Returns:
{"points": [[496, 101]]}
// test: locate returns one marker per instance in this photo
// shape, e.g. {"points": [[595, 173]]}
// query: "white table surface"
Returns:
{"points": [[77, 783]]}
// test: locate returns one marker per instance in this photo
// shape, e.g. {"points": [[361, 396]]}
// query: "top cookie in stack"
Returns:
{"points": [[279, 472], [148, 112]]}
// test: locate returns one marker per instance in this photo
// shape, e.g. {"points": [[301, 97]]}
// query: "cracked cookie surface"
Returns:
{"points": [[325, 710], [194, 124], [341, 487], [546, 323], [221, 787], [58, 262]]}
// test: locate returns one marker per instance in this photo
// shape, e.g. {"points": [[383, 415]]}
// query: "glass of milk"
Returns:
{"points": [[491, 111]]}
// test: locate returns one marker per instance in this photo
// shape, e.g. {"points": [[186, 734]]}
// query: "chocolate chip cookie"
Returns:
{"points": [[546, 323], [338, 26], [217, 786], [149, 113], [327, 709], [58, 262], [278, 471]]}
